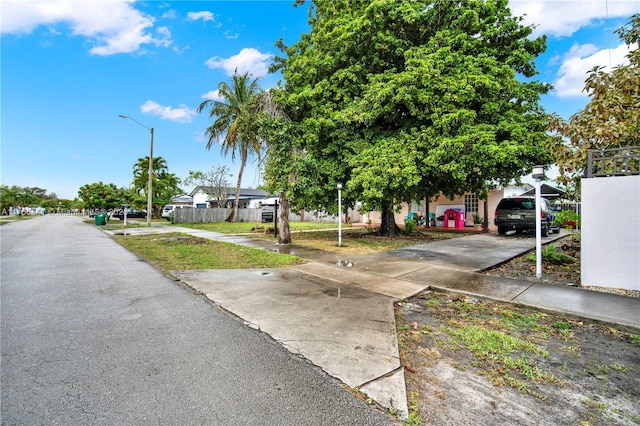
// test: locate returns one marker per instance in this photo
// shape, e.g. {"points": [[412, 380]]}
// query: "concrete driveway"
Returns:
{"points": [[338, 311]]}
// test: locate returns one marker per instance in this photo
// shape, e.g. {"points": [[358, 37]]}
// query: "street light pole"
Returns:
{"points": [[538, 172], [339, 186], [150, 182]]}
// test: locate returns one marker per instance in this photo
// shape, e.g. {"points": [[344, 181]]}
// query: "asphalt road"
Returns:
{"points": [[92, 335]]}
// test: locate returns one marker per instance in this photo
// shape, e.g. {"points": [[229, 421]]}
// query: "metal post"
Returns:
{"points": [[538, 233], [150, 183], [538, 173], [275, 220], [339, 214]]}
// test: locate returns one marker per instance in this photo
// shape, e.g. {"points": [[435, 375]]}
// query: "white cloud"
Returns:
{"points": [[248, 60], [230, 35], [169, 14], [561, 18], [579, 60], [213, 95], [198, 137], [166, 36], [204, 15], [112, 27], [182, 114]]}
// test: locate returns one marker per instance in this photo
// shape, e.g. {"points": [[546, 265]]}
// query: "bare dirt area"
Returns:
{"points": [[480, 362]]}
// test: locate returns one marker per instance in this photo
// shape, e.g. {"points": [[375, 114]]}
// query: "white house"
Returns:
{"points": [[249, 198]]}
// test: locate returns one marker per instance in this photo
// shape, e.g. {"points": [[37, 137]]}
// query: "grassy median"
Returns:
{"points": [[324, 236], [176, 251]]}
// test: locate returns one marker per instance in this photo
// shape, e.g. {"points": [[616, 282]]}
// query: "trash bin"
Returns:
{"points": [[432, 219], [100, 219]]}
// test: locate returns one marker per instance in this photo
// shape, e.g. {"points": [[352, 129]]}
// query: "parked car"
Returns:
{"points": [[519, 214], [170, 209], [131, 214]]}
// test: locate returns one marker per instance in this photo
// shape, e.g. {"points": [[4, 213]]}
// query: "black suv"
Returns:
{"points": [[519, 214], [131, 214]]}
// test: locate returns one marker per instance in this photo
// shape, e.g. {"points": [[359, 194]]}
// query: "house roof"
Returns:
{"points": [[233, 197], [231, 193], [547, 191], [524, 186], [182, 198]]}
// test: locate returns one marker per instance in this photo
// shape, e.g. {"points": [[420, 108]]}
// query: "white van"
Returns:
{"points": [[169, 209]]}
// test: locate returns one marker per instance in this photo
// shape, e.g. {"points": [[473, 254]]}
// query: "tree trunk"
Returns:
{"points": [[427, 219], [388, 227], [486, 215], [236, 201], [284, 233]]}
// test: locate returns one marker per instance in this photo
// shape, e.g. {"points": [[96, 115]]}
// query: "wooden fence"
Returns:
{"points": [[250, 215]]}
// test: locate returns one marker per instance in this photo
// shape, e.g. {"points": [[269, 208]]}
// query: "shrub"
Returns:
{"points": [[551, 254], [410, 226], [563, 216]]}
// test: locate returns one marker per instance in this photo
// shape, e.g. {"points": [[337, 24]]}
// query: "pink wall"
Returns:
{"points": [[494, 198]]}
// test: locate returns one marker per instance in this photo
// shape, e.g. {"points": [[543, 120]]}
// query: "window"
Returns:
{"points": [[416, 206], [471, 203]]}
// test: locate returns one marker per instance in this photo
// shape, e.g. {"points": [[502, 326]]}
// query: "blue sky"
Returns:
{"points": [[69, 68]]}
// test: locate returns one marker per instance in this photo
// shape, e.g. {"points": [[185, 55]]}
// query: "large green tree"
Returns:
{"points": [[611, 119], [13, 196], [233, 123], [286, 168], [102, 195], [406, 98]]}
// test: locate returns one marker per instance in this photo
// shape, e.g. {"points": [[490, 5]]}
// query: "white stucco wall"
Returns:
{"points": [[610, 247], [200, 198]]}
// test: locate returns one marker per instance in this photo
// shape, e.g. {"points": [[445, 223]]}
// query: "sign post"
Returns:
{"points": [[275, 220], [270, 215], [538, 173], [125, 207]]}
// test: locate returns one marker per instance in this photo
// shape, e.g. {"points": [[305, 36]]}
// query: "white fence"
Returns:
{"points": [[249, 215]]}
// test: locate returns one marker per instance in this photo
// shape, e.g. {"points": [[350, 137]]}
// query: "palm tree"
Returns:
{"points": [[141, 175], [234, 119]]}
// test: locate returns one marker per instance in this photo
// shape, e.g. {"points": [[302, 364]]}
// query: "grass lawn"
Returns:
{"points": [[175, 251], [8, 219], [354, 241], [178, 251], [324, 236]]}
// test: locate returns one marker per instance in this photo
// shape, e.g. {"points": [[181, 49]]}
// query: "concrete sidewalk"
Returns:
{"points": [[339, 312]]}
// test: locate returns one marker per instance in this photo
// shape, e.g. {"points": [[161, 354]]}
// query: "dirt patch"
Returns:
{"points": [[524, 267], [471, 361]]}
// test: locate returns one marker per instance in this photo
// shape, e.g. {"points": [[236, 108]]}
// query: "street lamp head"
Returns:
{"points": [[339, 185], [122, 116], [538, 172]]}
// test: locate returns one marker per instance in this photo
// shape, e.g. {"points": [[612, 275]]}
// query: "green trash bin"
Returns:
{"points": [[100, 219]]}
